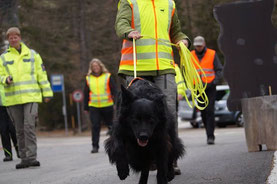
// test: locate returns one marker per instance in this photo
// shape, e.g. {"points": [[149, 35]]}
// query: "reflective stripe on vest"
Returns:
{"points": [[5, 63], [100, 93], [151, 54], [207, 65], [32, 64]]}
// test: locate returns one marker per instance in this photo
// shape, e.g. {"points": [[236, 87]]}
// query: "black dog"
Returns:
{"points": [[143, 134]]}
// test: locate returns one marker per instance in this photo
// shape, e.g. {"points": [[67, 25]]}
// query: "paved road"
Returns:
{"points": [[67, 160]]}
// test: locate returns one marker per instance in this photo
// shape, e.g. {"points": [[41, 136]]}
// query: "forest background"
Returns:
{"points": [[69, 33]]}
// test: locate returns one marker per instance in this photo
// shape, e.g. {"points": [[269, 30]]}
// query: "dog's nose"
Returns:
{"points": [[143, 136]]}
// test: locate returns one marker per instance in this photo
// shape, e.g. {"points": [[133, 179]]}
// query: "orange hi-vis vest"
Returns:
{"points": [[100, 93], [153, 19], [207, 65]]}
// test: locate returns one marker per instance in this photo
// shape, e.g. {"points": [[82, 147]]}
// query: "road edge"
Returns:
{"points": [[272, 178]]}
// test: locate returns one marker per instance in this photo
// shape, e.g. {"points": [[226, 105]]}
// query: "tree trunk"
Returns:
{"points": [[83, 44], [189, 17]]}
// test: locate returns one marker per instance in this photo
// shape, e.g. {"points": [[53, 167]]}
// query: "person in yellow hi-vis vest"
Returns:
{"points": [[151, 24], [181, 90], [99, 92], [25, 83]]}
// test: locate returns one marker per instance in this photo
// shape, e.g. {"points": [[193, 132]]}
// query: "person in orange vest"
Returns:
{"points": [[99, 93], [210, 63]]}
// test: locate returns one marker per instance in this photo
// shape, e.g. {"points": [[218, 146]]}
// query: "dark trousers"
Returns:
{"points": [[7, 131], [97, 115], [208, 113]]}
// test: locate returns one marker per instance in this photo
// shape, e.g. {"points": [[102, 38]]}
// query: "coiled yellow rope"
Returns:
{"points": [[192, 80]]}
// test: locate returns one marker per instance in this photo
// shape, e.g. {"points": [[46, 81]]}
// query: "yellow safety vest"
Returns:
{"points": [[207, 65], [100, 92], [30, 81], [151, 18]]}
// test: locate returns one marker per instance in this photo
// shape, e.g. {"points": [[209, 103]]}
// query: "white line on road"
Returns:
{"points": [[272, 179]]}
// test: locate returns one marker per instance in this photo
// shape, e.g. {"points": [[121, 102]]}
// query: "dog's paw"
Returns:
{"points": [[170, 174], [123, 173]]}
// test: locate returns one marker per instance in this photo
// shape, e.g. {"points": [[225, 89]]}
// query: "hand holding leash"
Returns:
{"points": [[9, 80], [134, 35]]}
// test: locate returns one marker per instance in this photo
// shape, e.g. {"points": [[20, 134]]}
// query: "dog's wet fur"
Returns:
{"points": [[144, 133]]}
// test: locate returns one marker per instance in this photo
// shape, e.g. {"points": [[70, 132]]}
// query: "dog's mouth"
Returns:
{"points": [[142, 143]]}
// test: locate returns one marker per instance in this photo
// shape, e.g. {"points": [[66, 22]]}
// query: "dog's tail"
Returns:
{"points": [[110, 149], [180, 150]]}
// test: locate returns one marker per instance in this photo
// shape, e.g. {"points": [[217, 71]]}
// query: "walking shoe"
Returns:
{"points": [[22, 165], [210, 141], [94, 150], [7, 158], [34, 163]]}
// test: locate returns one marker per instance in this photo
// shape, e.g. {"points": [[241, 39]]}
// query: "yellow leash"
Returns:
{"points": [[192, 80]]}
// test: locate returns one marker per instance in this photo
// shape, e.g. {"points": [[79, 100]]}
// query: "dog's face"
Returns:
{"points": [[143, 120], [142, 115]]}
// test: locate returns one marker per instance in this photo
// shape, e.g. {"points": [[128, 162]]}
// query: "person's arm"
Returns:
{"points": [[86, 96], [218, 70], [42, 79], [5, 79], [123, 20], [113, 88], [176, 34]]}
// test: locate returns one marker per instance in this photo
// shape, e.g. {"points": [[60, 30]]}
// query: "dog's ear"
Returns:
{"points": [[159, 98], [160, 101], [127, 96]]}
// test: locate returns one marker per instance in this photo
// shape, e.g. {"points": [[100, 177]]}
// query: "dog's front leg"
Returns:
{"points": [[170, 171], [144, 176], [161, 173], [162, 161], [122, 162]]}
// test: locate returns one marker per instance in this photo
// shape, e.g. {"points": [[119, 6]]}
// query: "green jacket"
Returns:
{"points": [[30, 81], [123, 28]]}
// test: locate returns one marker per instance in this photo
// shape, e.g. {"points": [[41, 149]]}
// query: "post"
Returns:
{"points": [[78, 117], [78, 96], [64, 107], [57, 84], [71, 109]]}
